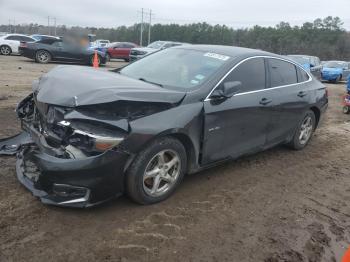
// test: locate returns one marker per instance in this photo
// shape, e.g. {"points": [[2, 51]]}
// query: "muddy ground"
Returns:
{"points": [[279, 205]]}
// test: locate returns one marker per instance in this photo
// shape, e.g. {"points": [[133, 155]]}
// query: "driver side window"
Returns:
{"points": [[251, 75]]}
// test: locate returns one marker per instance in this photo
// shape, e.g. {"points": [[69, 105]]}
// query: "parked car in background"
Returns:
{"points": [[48, 50], [101, 43], [310, 63], [10, 43], [335, 71], [38, 37], [91, 135], [140, 52], [120, 50]]}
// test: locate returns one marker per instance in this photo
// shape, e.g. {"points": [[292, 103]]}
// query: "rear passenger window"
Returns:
{"points": [[302, 75], [282, 73], [250, 73]]}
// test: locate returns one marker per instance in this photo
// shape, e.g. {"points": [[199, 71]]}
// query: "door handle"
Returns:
{"points": [[302, 94], [265, 101]]}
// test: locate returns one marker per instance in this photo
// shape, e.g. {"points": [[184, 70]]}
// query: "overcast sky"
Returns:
{"points": [[235, 13]]}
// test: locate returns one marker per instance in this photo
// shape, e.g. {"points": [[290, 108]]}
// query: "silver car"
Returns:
{"points": [[140, 52]]}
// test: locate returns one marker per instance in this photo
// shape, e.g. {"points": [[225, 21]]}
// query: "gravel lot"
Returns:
{"points": [[279, 205]]}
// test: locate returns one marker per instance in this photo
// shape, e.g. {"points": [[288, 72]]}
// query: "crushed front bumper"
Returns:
{"points": [[82, 182], [71, 182]]}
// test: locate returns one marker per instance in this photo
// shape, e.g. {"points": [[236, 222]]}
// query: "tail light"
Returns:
{"points": [[23, 44]]}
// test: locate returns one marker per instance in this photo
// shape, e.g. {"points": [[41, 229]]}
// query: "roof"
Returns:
{"points": [[232, 51]]}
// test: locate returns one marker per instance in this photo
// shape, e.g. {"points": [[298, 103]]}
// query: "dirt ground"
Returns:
{"points": [[279, 205]]}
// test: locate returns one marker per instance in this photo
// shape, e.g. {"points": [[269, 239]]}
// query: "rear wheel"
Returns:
{"points": [[337, 80], [5, 50], [42, 57], [157, 171], [304, 131]]}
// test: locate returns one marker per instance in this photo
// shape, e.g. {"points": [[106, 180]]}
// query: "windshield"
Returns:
{"points": [[334, 64], [156, 45], [177, 68], [300, 59]]}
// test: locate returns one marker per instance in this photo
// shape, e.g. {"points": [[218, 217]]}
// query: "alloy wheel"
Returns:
{"points": [[305, 130], [43, 56], [5, 50], [161, 173]]}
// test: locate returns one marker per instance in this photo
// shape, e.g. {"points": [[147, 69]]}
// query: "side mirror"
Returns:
{"points": [[227, 90]]}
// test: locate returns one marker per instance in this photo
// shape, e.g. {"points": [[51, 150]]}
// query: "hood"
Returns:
{"points": [[145, 49], [332, 70], [73, 86]]}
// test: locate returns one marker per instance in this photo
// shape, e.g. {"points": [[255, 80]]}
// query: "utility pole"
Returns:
{"points": [[55, 25], [10, 26], [14, 25], [141, 27], [48, 25], [149, 26]]}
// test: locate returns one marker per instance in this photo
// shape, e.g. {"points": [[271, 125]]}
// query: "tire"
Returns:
{"points": [[346, 109], [145, 190], [5, 50], [127, 60], [300, 140], [42, 57], [91, 62], [336, 81]]}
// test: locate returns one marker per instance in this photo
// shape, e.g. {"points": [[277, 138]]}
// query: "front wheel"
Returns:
{"points": [[304, 131], [108, 57], [42, 57], [157, 171]]}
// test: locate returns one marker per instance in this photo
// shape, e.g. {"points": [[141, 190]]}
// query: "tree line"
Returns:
{"points": [[324, 38]]}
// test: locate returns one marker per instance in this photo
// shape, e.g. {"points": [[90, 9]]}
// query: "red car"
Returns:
{"points": [[120, 50]]}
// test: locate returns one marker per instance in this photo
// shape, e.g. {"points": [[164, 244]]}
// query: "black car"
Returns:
{"points": [[51, 49], [91, 135]]}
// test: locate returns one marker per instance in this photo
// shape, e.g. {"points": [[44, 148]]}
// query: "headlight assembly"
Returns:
{"points": [[92, 139]]}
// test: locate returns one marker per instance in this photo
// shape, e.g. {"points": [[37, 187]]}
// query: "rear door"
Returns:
{"points": [[290, 98], [13, 41], [237, 125]]}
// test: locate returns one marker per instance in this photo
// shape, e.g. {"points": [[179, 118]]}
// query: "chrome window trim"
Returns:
{"points": [[260, 90]]}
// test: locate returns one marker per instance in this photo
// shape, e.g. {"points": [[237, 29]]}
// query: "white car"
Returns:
{"points": [[101, 43], [9, 43]]}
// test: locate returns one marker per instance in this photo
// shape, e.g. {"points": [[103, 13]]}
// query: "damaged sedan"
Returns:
{"points": [[91, 135]]}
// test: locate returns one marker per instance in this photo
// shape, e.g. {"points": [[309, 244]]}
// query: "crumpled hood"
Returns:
{"points": [[331, 70], [73, 86]]}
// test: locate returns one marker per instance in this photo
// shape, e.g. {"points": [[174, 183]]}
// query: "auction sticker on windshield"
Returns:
{"points": [[217, 56]]}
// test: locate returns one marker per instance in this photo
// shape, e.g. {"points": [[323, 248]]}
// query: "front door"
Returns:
{"points": [[237, 125]]}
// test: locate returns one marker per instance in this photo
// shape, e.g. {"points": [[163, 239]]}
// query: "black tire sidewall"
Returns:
{"points": [[346, 110], [295, 143], [134, 179]]}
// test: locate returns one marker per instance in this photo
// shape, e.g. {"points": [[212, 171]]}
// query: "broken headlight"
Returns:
{"points": [[92, 138]]}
